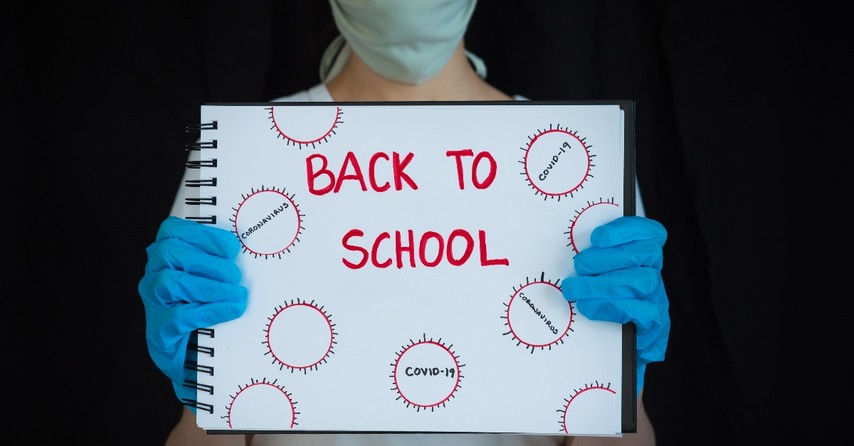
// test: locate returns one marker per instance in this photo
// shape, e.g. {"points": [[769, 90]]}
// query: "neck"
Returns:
{"points": [[458, 81]]}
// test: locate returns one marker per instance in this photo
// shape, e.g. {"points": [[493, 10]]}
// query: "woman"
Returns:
{"points": [[393, 50]]}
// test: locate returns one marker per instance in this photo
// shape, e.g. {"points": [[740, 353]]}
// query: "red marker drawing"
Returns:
{"points": [[537, 315], [261, 404], [268, 222], [557, 162], [426, 374], [305, 126], [300, 336]]}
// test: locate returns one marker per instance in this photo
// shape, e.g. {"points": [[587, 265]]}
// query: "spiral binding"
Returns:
{"points": [[195, 128], [192, 201], [198, 164], [194, 348], [201, 145], [201, 183]]}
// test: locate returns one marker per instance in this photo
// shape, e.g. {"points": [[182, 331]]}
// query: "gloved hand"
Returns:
{"points": [[619, 280], [191, 281]]}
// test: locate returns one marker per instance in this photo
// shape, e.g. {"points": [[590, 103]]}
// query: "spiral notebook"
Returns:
{"points": [[404, 264]]}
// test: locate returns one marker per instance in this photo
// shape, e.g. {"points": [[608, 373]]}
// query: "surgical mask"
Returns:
{"points": [[408, 41]]}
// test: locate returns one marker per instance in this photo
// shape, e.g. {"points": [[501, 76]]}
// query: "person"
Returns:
{"points": [[391, 50]]}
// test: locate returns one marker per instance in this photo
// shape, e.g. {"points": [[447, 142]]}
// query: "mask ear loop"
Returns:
{"points": [[477, 63], [333, 58]]}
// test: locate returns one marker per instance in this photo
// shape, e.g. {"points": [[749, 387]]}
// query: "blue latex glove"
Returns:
{"points": [[619, 280], [191, 281]]}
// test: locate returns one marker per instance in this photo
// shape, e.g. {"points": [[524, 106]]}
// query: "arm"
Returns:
{"points": [[186, 433], [190, 281], [619, 280], [645, 435]]}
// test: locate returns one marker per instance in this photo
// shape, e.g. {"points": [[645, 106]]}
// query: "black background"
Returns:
{"points": [[742, 113]]}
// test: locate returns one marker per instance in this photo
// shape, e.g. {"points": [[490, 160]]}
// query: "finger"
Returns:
{"points": [[601, 260], [169, 288], [169, 350], [210, 239], [194, 316], [626, 229], [631, 283], [640, 312], [652, 341], [175, 254]]}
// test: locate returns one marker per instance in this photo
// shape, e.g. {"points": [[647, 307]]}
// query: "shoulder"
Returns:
{"points": [[317, 93]]}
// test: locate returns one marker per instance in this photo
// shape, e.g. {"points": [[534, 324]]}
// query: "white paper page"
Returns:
{"points": [[470, 331]]}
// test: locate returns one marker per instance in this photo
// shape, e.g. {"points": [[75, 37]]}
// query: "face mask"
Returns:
{"points": [[408, 41]]}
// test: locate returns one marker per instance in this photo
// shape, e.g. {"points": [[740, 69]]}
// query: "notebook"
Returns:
{"points": [[404, 264]]}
